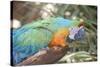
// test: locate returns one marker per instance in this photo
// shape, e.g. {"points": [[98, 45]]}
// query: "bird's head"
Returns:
{"points": [[77, 31]]}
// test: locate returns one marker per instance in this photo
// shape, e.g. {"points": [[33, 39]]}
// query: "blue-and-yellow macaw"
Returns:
{"points": [[47, 33]]}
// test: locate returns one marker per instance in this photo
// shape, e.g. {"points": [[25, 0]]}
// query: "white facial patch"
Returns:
{"points": [[74, 31]]}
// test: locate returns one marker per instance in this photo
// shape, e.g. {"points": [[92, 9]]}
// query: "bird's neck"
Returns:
{"points": [[59, 38]]}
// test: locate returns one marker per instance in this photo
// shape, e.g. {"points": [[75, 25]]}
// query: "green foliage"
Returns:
{"points": [[80, 56]]}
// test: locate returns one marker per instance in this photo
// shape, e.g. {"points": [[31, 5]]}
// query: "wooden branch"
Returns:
{"points": [[49, 56]]}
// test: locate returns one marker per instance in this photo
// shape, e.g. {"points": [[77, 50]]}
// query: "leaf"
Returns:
{"points": [[80, 56]]}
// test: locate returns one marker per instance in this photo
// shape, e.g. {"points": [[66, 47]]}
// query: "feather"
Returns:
{"points": [[35, 36]]}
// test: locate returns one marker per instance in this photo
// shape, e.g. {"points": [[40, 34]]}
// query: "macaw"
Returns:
{"points": [[41, 34]]}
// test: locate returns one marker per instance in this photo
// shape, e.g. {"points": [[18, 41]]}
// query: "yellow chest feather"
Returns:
{"points": [[59, 38]]}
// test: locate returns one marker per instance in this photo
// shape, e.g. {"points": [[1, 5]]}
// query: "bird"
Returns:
{"points": [[48, 35]]}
